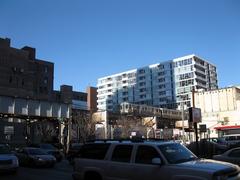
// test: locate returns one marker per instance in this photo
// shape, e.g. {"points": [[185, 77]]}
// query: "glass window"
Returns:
{"points": [[145, 154], [45, 81], [122, 153], [46, 69], [94, 151], [141, 71], [176, 153]]}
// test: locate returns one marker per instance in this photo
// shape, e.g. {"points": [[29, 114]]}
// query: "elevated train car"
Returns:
{"points": [[144, 110]]}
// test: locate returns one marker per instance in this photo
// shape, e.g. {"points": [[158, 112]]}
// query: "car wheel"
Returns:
{"points": [[52, 165], [15, 171]]}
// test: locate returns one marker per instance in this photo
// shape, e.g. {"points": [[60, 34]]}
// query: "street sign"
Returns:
{"points": [[195, 115], [202, 128]]}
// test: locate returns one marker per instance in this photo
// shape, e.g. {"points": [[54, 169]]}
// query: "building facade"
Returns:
{"points": [[220, 110], [30, 109], [22, 74], [166, 84]]}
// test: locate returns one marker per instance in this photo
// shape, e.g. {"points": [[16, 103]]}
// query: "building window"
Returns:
{"points": [[161, 86], [45, 90], [161, 80], [142, 90], [124, 93], [142, 96], [46, 69], [142, 78], [161, 66], [161, 73], [45, 81], [162, 93], [109, 107], [162, 99], [10, 79], [14, 69], [141, 71]]}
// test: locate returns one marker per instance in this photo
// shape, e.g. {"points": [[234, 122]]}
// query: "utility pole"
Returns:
{"points": [[195, 123], [183, 131]]}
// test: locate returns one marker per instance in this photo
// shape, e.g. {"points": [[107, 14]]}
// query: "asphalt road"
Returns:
{"points": [[61, 171]]}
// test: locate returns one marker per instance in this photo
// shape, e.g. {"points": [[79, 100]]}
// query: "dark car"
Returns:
{"points": [[30, 156], [232, 156], [207, 148], [73, 151], [50, 149]]}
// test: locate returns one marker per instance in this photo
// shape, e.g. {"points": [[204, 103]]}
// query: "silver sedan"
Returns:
{"points": [[8, 161]]}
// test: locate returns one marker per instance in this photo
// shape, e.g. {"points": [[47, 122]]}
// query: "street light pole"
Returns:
{"points": [[183, 131], [195, 123]]}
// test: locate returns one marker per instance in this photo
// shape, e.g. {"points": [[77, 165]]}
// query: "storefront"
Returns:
{"points": [[226, 130]]}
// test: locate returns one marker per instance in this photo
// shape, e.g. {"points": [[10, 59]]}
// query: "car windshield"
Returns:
{"points": [[176, 153], [36, 152], [4, 150], [47, 146]]}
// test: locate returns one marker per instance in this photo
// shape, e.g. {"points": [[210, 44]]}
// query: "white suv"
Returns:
{"points": [[147, 160]]}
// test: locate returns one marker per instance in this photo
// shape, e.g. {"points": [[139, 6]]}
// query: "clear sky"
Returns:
{"points": [[89, 39]]}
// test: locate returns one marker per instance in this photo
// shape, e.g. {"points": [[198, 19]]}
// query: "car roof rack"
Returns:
{"points": [[121, 140], [117, 140]]}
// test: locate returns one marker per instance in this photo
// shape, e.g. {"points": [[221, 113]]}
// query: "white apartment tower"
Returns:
{"points": [[166, 84]]}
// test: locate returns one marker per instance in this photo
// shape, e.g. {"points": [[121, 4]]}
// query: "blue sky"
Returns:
{"points": [[89, 39]]}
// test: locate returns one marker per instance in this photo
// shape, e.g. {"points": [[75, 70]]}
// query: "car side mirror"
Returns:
{"points": [[157, 161]]}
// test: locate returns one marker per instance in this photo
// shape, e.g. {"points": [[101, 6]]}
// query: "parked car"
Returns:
{"points": [[232, 140], [147, 160], [207, 148], [30, 156], [50, 149], [232, 156], [73, 151], [220, 145], [8, 161]]}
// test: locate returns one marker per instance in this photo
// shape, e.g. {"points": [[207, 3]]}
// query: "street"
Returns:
{"points": [[61, 171]]}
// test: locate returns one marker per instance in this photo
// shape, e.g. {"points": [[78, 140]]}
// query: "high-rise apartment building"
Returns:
{"points": [[165, 84]]}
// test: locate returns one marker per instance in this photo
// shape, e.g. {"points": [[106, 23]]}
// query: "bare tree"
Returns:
{"points": [[129, 124], [85, 124]]}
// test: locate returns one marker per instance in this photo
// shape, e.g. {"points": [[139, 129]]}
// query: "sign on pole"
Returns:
{"points": [[195, 115]]}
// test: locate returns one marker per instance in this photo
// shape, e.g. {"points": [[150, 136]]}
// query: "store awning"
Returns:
{"points": [[222, 128]]}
